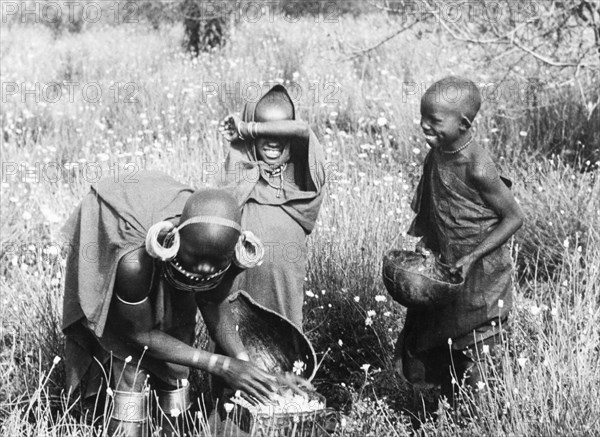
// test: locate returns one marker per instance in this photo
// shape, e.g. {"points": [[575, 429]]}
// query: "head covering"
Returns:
{"points": [[250, 179]]}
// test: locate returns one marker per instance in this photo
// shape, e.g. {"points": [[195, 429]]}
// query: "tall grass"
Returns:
{"points": [[549, 382]]}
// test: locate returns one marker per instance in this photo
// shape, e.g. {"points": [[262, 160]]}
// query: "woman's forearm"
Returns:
{"points": [[500, 235], [162, 346], [285, 128]]}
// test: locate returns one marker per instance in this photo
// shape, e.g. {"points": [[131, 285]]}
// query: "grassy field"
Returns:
{"points": [[365, 111]]}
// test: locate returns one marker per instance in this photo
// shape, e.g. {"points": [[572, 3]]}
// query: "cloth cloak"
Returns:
{"points": [[112, 221], [281, 211], [454, 219]]}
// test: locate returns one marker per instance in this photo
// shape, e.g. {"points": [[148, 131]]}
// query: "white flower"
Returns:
{"points": [[102, 157], [356, 298], [56, 360], [485, 349], [365, 367], [382, 121], [500, 303], [340, 342], [380, 298], [523, 133], [368, 321], [387, 314], [522, 361], [128, 359], [310, 293], [535, 310], [52, 251], [371, 313], [228, 407], [450, 341], [554, 311], [416, 150], [566, 243], [109, 392], [299, 367], [343, 422], [184, 382], [480, 385], [175, 412]]}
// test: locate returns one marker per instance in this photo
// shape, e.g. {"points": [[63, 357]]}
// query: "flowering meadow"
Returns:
{"points": [[111, 100]]}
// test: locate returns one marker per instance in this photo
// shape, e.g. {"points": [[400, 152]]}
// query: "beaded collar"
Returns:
{"points": [[194, 282]]}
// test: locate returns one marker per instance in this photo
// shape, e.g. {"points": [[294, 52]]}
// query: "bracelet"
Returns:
{"points": [[253, 129], [196, 357], [226, 363], [239, 130], [256, 130], [212, 362]]}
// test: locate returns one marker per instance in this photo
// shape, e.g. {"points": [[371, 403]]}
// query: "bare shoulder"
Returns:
{"points": [[134, 275], [482, 170]]}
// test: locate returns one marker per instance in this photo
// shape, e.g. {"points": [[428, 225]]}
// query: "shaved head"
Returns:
{"points": [[456, 92], [210, 239]]}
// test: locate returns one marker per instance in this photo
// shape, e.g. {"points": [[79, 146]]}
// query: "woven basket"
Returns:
{"points": [[319, 423], [415, 280], [291, 423]]}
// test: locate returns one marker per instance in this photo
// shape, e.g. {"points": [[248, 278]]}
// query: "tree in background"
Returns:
{"points": [[204, 31]]}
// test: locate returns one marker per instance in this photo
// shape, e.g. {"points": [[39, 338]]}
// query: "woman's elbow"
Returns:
{"points": [[303, 130]]}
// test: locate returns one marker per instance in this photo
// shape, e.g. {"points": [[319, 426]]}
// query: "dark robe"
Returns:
{"points": [[112, 221], [281, 222], [454, 219]]}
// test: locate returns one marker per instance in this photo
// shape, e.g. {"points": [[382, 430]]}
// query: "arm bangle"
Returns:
{"points": [[131, 303], [212, 362], [196, 357], [239, 130], [226, 363]]}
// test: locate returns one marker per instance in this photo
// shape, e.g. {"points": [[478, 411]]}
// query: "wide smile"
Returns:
{"points": [[430, 137], [272, 152]]}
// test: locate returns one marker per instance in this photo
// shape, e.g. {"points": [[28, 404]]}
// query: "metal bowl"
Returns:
{"points": [[417, 280]]}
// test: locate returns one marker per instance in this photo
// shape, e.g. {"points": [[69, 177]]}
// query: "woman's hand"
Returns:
{"points": [[231, 126], [256, 385], [295, 383]]}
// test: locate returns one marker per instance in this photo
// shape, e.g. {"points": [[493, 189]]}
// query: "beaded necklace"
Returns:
{"points": [[460, 149]]}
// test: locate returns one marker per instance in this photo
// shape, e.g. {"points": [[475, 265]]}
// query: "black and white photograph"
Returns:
{"points": [[286, 218]]}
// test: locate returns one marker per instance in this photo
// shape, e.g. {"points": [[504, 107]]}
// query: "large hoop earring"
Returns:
{"points": [[155, 249], [249, 251]]}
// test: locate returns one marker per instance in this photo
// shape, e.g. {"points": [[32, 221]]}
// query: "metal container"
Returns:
{"points": [[174, 402], [129, 414]]}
